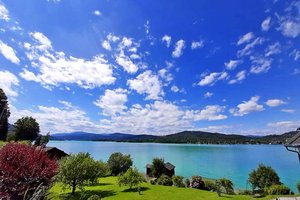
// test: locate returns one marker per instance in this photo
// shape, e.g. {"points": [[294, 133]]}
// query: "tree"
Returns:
{"points": [[78, 169], [27, 128], [4, 115], [131, 178], [119, 163], [42, 140], [24, 170], [158, 167], [178, 181], [263, 177], [197, 182], [227, 185], [165, 180]]}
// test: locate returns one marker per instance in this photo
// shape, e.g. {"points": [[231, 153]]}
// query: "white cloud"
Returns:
{"points": [[8, 83], [265, 25], [296, 54], [260, 65], [248, 49], [175, 89], [53, 68], [3, 12], [247, 107], [239, 77], [112, 38], [126, 63], [288, 110], [232, 64], [212, 78], [106, 45], [66, 103], [273, 49], [285, 125], [147, 83], [245, 38], [165, 75], [209, 113], [9, 53], [208, 94], [275, 102], [167, 40], [112, 102], [178, 51], [197, 44], [97, 13]]}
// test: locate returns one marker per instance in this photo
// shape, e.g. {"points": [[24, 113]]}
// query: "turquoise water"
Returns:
{"points": [[212, 161]]}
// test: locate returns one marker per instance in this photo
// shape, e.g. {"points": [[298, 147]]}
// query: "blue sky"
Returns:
{"points": [[152, 67]]}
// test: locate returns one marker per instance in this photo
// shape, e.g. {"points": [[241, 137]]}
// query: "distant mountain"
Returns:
{"points": [[195, 137]]}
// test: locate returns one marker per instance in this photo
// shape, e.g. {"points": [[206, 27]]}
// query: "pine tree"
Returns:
{"points": [[4, 115]]}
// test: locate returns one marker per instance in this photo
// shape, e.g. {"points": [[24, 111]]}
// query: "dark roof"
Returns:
{"points": [[294, 141], [169, 166], [148, 166]]}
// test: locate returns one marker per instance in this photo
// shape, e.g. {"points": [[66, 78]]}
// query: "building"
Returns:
{"points": [[293, 144], [53, 152], [169, 169]]}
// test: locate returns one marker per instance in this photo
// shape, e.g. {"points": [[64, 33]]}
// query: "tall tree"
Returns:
{"points": [[27, 128], [4, 115]]}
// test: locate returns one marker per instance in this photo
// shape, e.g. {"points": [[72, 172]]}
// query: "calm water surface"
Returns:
{"points": [[212, 161]]}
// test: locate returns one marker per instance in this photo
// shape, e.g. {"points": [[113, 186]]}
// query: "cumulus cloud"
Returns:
{"points": [[245, 38], [97, 13], [9, 82], [106, 45], [3, 12], [295, 54], [265, 25], [285, 125], [273, 49], [248, 49], [167, 39], [288, 110], [232, 64], [238, 77], [247, 107], [212, 78], [209, 113], [208, 94], [197, 44], [275, 102], [126, 63], [53, 68], [147, 83], [9, 53], [165, 75], [175, 89], [178, 51], [260, 65]]}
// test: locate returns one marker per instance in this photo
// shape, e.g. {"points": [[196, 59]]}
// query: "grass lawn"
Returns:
{"points": [[109, 189]]}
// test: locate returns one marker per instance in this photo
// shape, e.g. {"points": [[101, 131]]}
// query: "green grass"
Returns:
{"points": [[109, 189]]}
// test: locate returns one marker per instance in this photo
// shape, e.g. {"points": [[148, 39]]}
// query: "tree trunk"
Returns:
{"points": [[73, 187]]}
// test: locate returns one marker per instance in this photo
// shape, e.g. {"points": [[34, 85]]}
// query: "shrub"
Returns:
{"points": [[76, 170], [226, 185], [197, 182], [263, 177], [158, 167], [24, 169], [210, 185], [94, 197], [164, 180], [278, 190], [152, 181], [119, 163], [187, 182], [298, 186], [178, 181], [131, 178], [244, 192]]}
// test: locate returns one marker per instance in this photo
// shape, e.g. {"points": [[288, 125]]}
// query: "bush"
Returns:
{"points": [[263, 177], [152, 181], [158, 167], [244, 192], [197, 182], [164, 180], [76, 170], [226, 185], [24, 169], [178, 181], [210, 185], [94, 197], [187, 182], [131, 178], [278, 190], [119, 163]]}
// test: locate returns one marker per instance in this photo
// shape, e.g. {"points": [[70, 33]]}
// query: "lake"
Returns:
{"points": [[212, 161]]}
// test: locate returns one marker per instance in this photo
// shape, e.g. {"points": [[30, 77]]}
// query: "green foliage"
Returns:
{"points": [[263, 177], [226, 185], [244, 192], [278, 190], [158, 167], [42, 140], [187, 182], [298, 187], [152, 181], [26, 128], [210, 185], [119, 163], [178, 181], [131, 178], [164, 180], [4, 115], [94, 197], [76, 170], [197, 182]]}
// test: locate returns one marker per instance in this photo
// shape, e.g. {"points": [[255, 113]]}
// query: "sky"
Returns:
{"points": [[153, 66]]}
